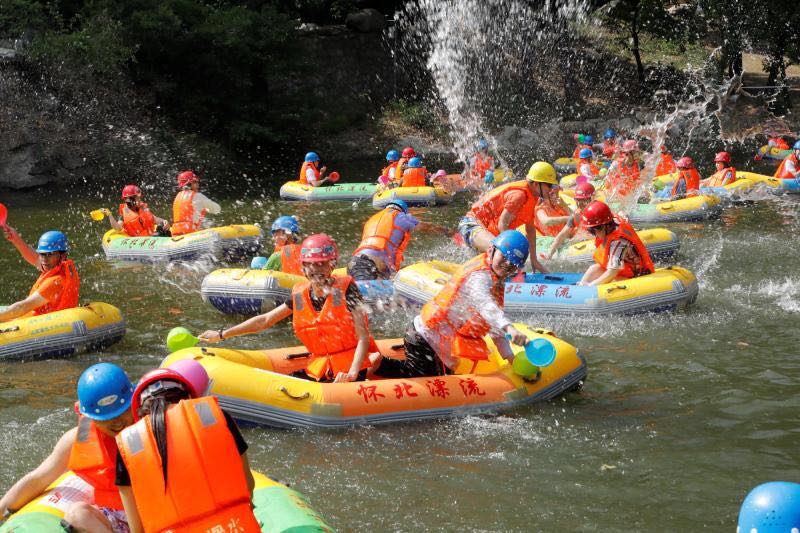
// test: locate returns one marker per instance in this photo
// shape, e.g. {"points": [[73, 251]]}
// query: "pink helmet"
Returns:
{"points": [[195, 374], [186, 177], [722, 157], [130, 191], [630, 146], [685, 162]]}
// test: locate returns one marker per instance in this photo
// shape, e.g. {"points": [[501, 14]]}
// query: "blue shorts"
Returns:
{"points": [[467, 227]]}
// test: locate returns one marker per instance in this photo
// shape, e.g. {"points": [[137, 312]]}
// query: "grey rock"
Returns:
{"points": [[365, 21]]}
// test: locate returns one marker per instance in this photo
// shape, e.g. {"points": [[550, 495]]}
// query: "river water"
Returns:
{"points": [[681, 414]]}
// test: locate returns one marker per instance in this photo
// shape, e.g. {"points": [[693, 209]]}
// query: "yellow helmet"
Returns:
{"points": [[543, 173]]}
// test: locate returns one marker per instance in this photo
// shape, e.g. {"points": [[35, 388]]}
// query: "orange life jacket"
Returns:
{"points": [[377, 234], [329, 335], [183, 214], [551, 211], [69, 292], [206, 489], [306, 165], [718, 178], [414, 177], [624, 179], [782, 173], [594, 170], [691, 179], [577, 153], [93, 458], [400, 168], [609, 148], [137, 223], [467, 341], [481, 165], [290, 259], [489, 207], [666, 165], [387, 171], [636, 262]]}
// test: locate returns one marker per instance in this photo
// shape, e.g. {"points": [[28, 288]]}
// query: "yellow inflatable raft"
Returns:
{"points": [[699, 207], [253, 386], [277, 508], [228, 242], [63, 333], [294, 190], [413, 196], [746, 182], [557, 293], [661, 243]]}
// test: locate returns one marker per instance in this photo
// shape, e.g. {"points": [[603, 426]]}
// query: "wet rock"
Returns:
{"points": [[365, 21]]}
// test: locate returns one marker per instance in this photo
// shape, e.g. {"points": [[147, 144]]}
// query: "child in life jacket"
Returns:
{"points": [[136, 219]]}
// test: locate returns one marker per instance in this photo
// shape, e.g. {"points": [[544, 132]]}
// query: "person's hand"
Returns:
{"points": [[11, 234], [106, 211], [582, 284], [210, 336], [165, 225], [517, 337], [323, 170], [345, 377]]}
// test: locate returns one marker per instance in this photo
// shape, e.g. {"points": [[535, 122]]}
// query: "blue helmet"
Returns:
{"points": [[286, 223], [312, 157], [610, 133], [588, 139], [392, 155], [585, 153], [399, 203], [415, 162], [513, 245], [259, 262], [483, 144], [52, 241], [488, 178], [771, 508], [796, 145], [104, 391]]}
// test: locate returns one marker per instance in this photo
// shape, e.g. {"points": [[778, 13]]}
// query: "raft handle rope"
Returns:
{"points": [[206, 351], [293, 396], [533, 379], [298, 355], [580, 246], [9, 330], [553, 278], [666, 207], [440, 281], [178, 238], [616, 287]]}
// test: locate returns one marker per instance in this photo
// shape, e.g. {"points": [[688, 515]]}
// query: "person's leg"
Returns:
{"points": [[84, 517], [481, 240], [360, 268], [592, 273], [420, 359]]}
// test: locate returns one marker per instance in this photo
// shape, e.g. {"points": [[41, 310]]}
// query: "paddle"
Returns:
{"points": [[97, 215], [180, 338], [333, 177], [537, 353], [3, 215]]}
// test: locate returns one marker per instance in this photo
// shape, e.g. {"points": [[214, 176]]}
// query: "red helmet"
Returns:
{"points": [[318, 248], [131, 190], [630, 146], [147, 386], [584, 191], [664, 149], [409, 152], [722, 157], [685, 162], [596, 214], [186, 177]]}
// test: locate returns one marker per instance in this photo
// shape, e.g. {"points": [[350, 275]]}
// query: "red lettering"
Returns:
{"points": [[369, 393]]}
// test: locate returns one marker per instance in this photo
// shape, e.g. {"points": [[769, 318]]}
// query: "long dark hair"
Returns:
{"points": [[156, 406]]}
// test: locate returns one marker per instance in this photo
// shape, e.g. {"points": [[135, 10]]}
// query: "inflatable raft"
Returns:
{"points": [[294, 190], [746, 182], [62, 333], [457, 183], [277, 508], [413, 196], [253, 385], [556, 293], [661, 243], [700, 207], [772, 152], [241, 291], [224, 242]]}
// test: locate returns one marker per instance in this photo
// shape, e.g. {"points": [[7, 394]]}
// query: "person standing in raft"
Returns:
{"points": [[90, 451], [790, 166], [182, 466], [507, 207], [619, 254], [469, 307], [584, 193], [286, 257], [136, 219], [725, 173], [190, 206], [58, 285], [310, 173], [327, 314]]}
